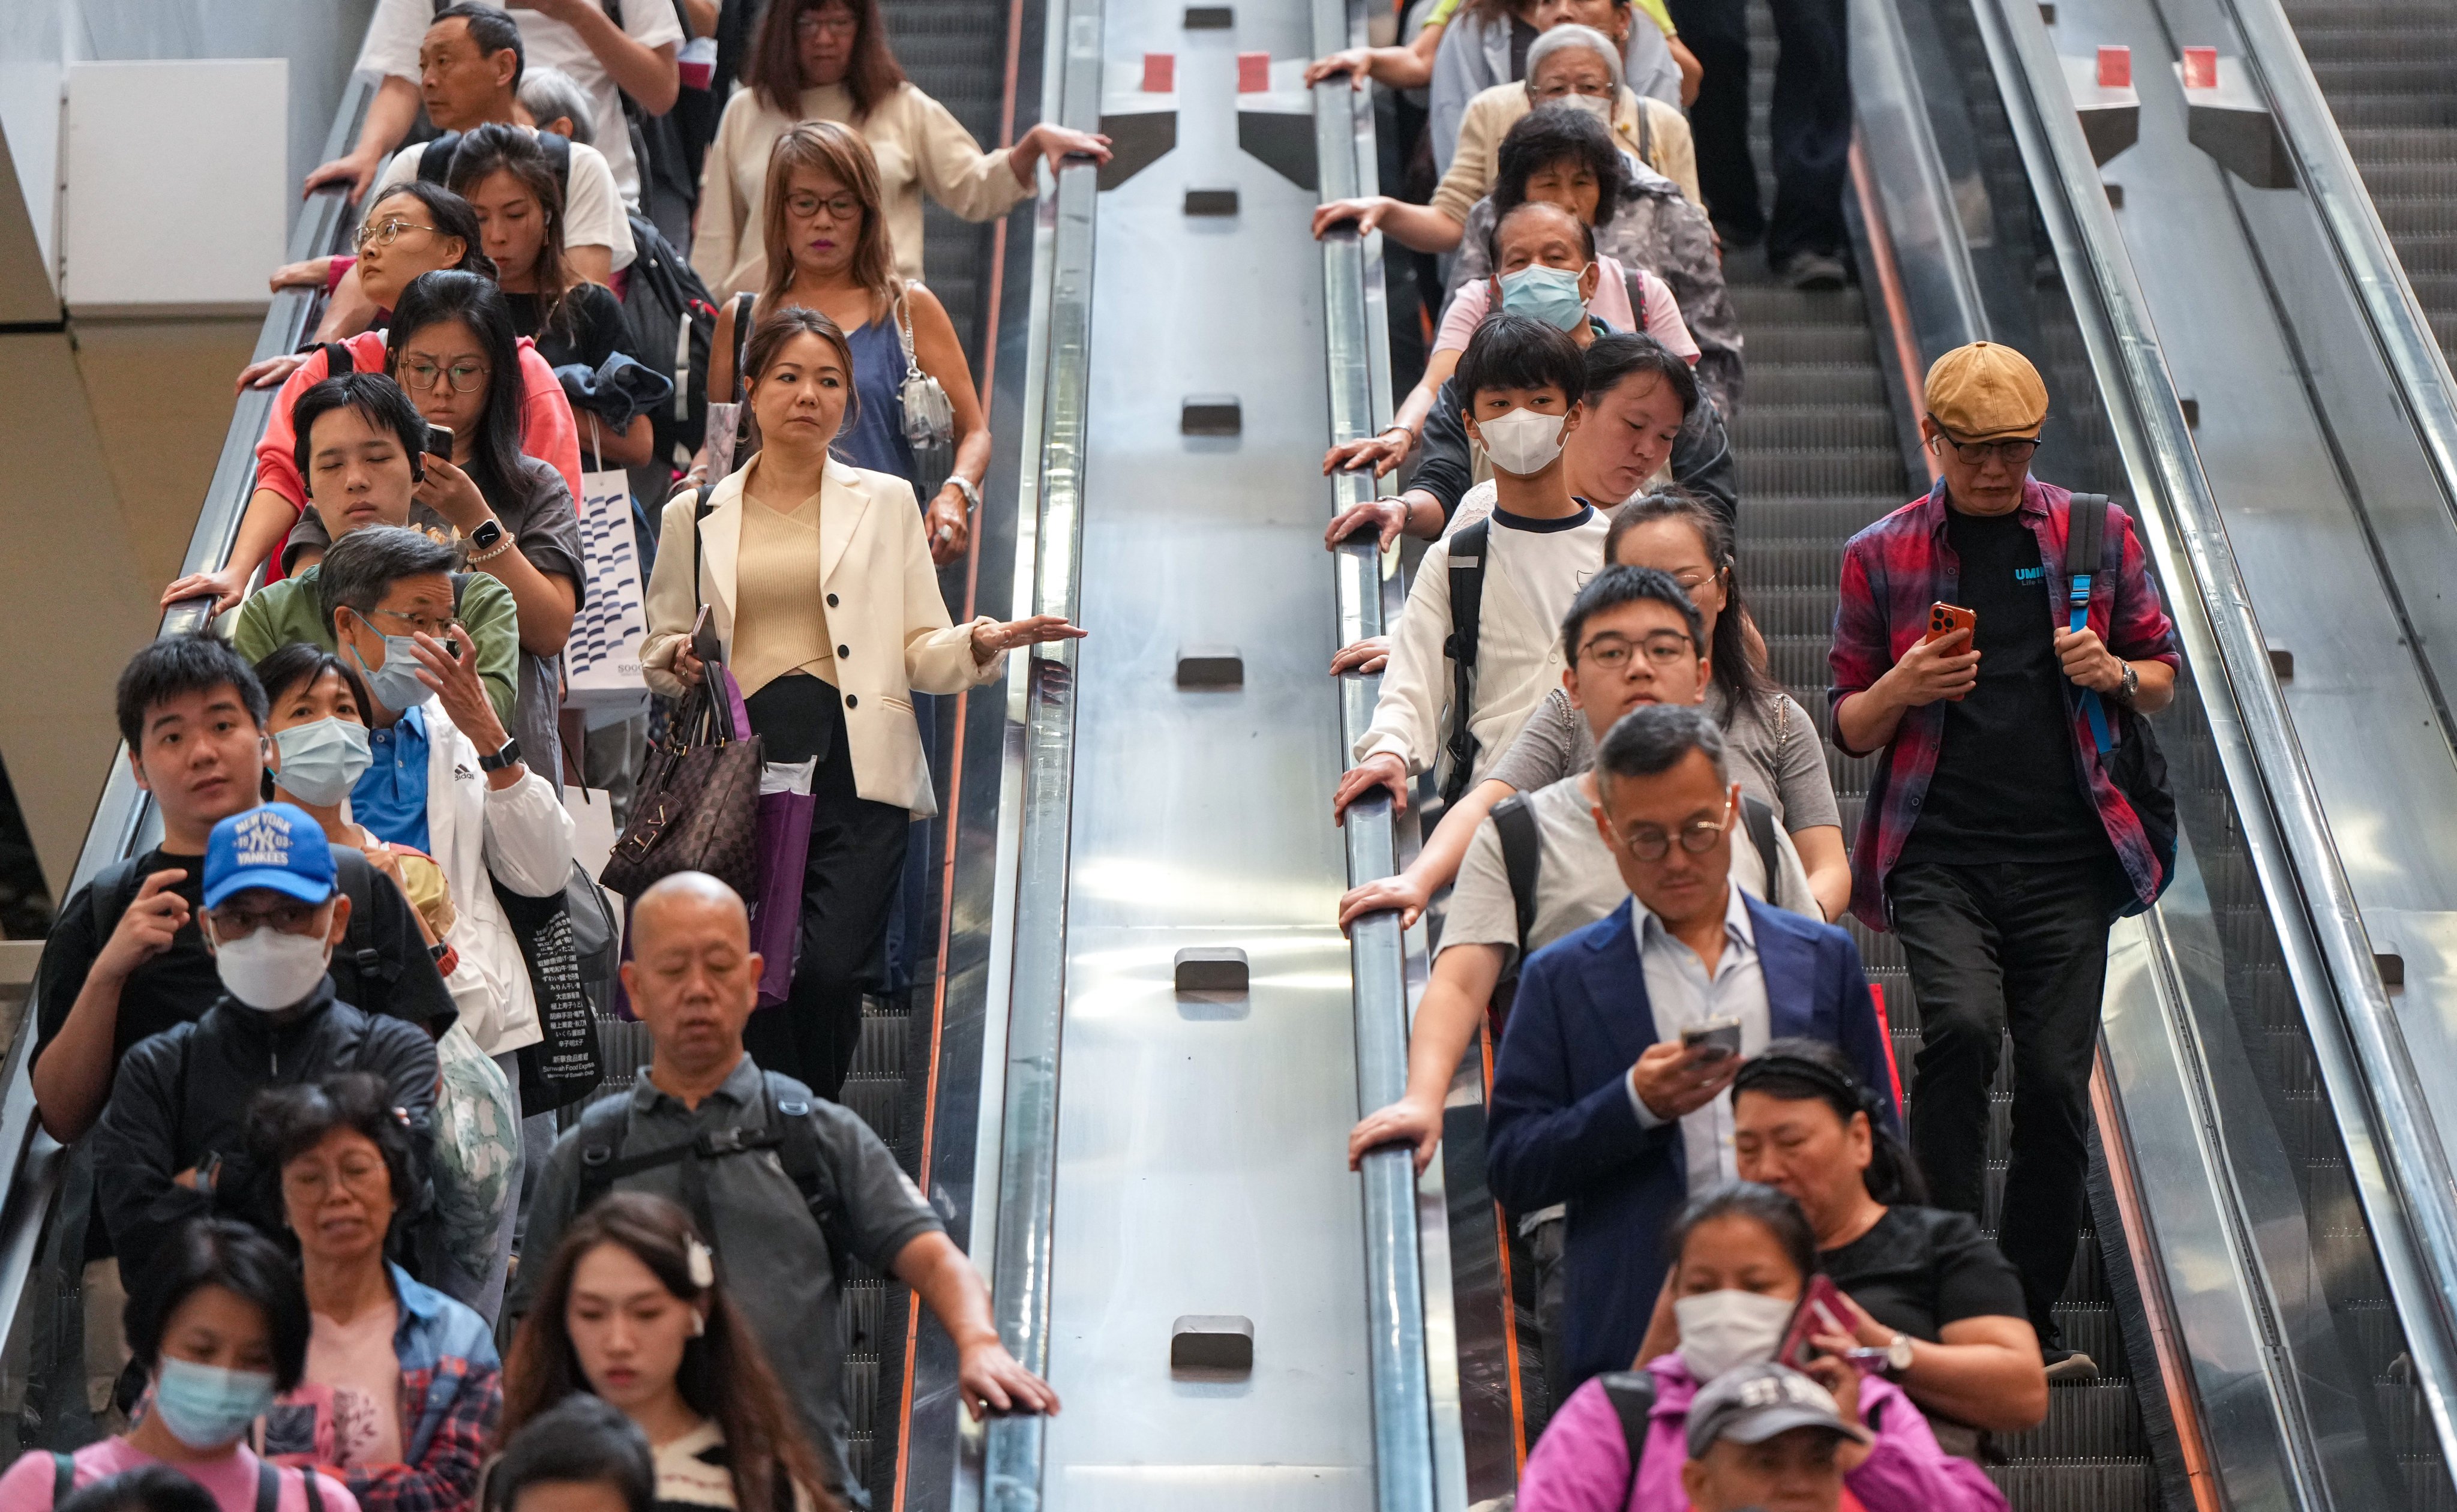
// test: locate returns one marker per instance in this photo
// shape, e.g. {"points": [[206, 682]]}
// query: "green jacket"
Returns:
{"points": [[282, 612]]}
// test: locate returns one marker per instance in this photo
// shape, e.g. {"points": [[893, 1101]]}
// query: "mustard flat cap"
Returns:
{"points": [[1987, 389]]}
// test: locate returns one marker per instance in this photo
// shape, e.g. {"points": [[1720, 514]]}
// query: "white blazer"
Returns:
{"points": [[521, 835], [882, 591]]}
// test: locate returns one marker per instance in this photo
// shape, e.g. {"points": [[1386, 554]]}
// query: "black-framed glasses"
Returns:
{"points": [[1664, 648], [811, 23], [233, 922], [1976, 453], [385, 232], [806, 207], [1650, 843], [465, 378]]}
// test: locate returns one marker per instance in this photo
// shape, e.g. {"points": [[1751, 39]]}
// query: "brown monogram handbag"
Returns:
{"points": [[697, 808]]}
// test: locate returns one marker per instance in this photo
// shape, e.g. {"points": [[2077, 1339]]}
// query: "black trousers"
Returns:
{"points": [[2019, 946], [1809, 122], [849, 886], [1718, 32]]}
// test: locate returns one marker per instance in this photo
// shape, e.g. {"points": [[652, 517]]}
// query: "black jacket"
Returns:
{"points": [[1702, 458], [184, 1094]]}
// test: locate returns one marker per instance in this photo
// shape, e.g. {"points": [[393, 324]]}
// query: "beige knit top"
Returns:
{"points": [[780, 617]]}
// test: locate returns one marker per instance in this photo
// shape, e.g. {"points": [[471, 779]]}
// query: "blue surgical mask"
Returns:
{"points": [[322, 759], [1550, 294], [395, 684], [207, 1407]]}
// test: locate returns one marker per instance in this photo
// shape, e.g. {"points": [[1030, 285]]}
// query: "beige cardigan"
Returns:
{"points": [[921, 148], [1490, 116], [882, 606]]}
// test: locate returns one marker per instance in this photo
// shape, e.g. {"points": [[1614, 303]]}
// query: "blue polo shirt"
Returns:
{"points": [[390, 798]]}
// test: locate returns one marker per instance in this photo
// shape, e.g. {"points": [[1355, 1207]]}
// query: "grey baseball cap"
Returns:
{"points": [[1752, 1403]]}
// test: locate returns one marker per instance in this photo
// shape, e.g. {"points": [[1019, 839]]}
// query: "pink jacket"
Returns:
{"points": [[547, 432], [1581, 1464]]}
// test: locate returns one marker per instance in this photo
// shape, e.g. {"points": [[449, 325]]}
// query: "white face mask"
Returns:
{"points": [[1722, 1330], [269, 970], [1522, 442], [1595, 105]]}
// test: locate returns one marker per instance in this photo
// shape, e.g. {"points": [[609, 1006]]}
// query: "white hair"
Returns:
{"points": [[549, 93], [1574, 35]]}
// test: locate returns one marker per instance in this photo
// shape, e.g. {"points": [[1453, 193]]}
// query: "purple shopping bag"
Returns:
{"points": [[776, 917]]}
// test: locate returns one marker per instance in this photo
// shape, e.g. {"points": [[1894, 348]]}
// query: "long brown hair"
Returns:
{"points": [[498, 148], [772, 67], [824, 147], [724, 1374]]}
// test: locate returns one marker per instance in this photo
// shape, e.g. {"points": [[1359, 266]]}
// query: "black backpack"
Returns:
{"points": [[435, 162], [2127, 750], [672, 319]]}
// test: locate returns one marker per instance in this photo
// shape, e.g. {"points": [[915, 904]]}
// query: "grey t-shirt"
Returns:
{"points": [[1576, 881], [771, 1257], [1777, 757]]}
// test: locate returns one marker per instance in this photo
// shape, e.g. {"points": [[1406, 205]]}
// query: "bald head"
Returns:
{"points": [[1541, 230], [693, 978]]}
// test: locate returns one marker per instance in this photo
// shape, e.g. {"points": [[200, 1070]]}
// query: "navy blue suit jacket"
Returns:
{"points": [[1563, 1129]]}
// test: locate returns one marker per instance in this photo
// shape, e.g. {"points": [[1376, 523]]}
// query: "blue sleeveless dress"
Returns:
{"points": [[875, 437]]}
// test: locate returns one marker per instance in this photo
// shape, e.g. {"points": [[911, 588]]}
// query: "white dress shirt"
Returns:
{"points": [[1683, 993]]}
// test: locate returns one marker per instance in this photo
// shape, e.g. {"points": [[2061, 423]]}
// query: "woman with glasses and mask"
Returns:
{"points": [[414, 229], [829, 60]]}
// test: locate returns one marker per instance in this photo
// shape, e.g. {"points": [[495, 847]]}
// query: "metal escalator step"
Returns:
{"points": [[2391, 112], [1839, 516], [2093, 1329], [2419, 177], [2079, 1486], [1803, 383], [1824, 345], [2087, 1420], [1783, 470], [2383, 75], [1831, 424]]}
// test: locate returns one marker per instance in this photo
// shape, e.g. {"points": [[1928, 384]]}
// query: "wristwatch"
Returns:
{"points": [[1898, 1354], [508, 754], [965, 485], [487, 533], [2130, 686]]}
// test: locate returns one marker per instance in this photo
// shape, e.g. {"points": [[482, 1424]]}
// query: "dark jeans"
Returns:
{"points": [[1718, 32], [2019, 946], [1811, 126], [848, 883]]}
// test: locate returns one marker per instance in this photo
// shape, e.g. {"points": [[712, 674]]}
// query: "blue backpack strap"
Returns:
{"points": [[62, 1477], [2086, 519]]}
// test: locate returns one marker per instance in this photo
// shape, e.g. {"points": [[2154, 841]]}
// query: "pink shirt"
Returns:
{"points": [[1610, 306], [231, 1479]]}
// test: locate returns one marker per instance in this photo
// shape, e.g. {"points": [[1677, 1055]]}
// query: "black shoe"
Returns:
{"points": [[1814, 270], [1733, 236]]}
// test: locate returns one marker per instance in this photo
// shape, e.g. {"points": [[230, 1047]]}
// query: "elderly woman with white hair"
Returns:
{"points": [[557, 104]]}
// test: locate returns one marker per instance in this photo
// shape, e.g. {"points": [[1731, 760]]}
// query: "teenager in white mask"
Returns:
{"points": [[1521, 380], [173, 1134], [1745, 1257], [223, 1327]]}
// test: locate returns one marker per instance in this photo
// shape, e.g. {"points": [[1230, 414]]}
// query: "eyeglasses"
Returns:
{"points": [[807, 207], [811, 23], [418, 625], [1664, 647], [232, 921], [1976, 453], [1650, 844], [385, 232], [466, 378], [1554, 91]]}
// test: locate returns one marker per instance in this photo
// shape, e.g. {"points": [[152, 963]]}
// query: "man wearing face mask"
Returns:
{"points": [[1611, 1090], [1523, 380], [173, 1137]]}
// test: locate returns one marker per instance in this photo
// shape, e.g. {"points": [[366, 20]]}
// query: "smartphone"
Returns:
{"points": [[439, 442], [706, 645], [1944, 619], [1714, 1040], [1821, 1311]]}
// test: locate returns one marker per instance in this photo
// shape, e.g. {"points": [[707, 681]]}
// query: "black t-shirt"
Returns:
{"points": [[1922, 1267], [2005, 787], [588, 326]]}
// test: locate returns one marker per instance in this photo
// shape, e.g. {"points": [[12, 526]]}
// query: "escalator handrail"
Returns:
{"points": [[2395, 1158], [1404, 1476], [31, 1176]]}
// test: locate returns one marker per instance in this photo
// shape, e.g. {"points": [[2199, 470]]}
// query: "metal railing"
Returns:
{"points": [[2398, 1167]]}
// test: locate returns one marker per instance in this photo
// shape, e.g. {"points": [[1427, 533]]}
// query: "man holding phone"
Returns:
{"points": [[1993, 842], [1612, 1089]]}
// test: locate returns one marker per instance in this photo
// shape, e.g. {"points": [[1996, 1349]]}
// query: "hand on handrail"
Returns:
{"points": [[224, 587]]}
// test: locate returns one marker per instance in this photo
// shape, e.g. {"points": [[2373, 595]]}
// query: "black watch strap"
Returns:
{"points": [[509, 754]]}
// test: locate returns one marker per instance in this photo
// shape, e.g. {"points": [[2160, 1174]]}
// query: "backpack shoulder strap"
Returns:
{"points": [[63, 1478], [112, 889], [1522, 860], [1632, 1395], [796, 1125], [602, 1125], [558, 157], [1637, 288], [1467, 552], [435, 160], [268, 1487], [2085, 539], [358, 881], [1760, 819]]}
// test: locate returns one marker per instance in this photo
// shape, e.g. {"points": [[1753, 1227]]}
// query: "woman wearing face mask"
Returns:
{"points": [[402, 1385], [219, 1328], [1924, 1282], [413, 230], [1742, 1259], [819, 584], [630, 1310]]}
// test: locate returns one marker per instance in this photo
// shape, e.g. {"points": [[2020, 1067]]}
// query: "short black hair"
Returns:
{"points": [[1616, 357], [359, 566], [230, 1254], [1653, 737], [174, 665], [1615, 586], [583, 1439], [298, 662], [492, 30], [378, 399], [148, 1488], [1501, 221], [284, 1122], [1517, 351], [432, 298], [1554, 134]]}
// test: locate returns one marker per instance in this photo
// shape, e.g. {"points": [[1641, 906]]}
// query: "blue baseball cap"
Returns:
{"points": [[279, 846]]}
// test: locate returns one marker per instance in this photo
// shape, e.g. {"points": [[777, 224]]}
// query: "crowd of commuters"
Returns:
{"points": [[346, 1255]]}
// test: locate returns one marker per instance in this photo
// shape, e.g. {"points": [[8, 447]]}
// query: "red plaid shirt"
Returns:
{"points": [[1892, 571]]}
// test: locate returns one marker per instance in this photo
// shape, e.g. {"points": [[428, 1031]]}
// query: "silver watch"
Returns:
{"points": [[1898, 1354], [2127, 690], [964, 487]]}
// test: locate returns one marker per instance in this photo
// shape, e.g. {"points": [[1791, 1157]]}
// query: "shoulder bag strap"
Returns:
{"points": [[743, 304], [62, 1477], [2085, 537], [904, 337], [1637, 288], [1760, 819], [1632, 1395], [358, 880], [1468, 550], [1522, 860]]}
